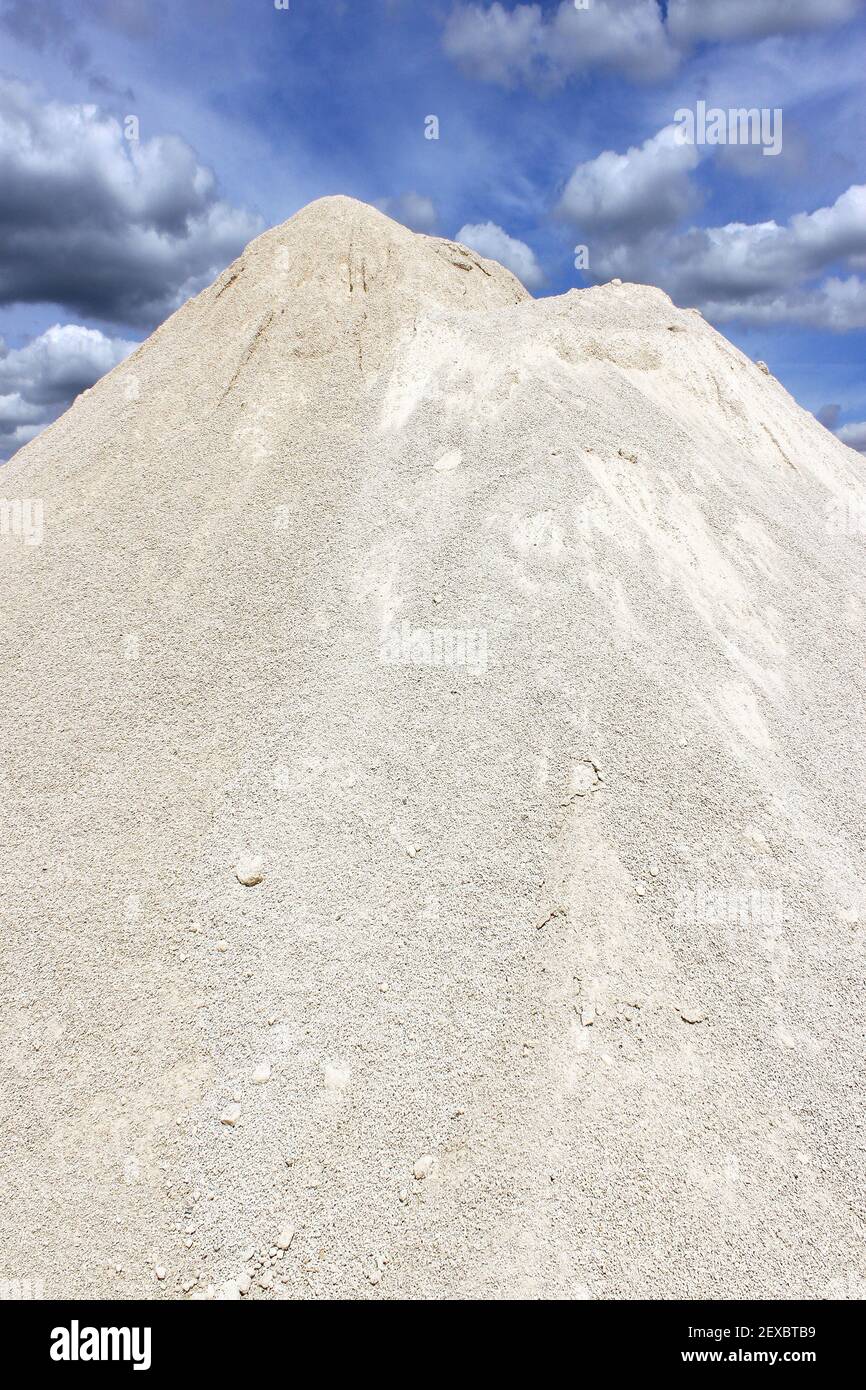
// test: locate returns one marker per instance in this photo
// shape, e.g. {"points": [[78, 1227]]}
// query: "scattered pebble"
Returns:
{"points": [[285, 1238], [250, 870], [262, 1073], [550, 915], [587, 1015], [693, 1015], [337, 1078], [423, 1167], [448, 462], [160, 1272], [231, 1114], [640, 888], [244, 1283], [762, 367]]}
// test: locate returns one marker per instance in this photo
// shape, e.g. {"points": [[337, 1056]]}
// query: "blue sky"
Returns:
{"points": [[555, 129]]}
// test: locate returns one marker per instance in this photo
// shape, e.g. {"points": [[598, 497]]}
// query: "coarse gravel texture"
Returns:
{"points": [[332, 975]]}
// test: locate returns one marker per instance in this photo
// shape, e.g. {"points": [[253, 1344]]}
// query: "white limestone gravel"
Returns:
{"points": [[354, 428]]}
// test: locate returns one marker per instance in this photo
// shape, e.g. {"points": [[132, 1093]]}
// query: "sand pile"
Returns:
{"points": [[433, 801]]}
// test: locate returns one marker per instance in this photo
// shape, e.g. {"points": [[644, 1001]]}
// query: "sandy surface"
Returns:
{"points": [[475, 1032]]}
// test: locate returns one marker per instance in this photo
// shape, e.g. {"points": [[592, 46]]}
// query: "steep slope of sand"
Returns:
{"points": [[354, 428]]}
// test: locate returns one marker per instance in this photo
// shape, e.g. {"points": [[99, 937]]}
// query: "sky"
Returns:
{"points": [[143, 145]]}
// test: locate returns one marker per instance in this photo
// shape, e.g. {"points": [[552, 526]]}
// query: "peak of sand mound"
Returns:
{"points": [[432, 806], [347, 248]]}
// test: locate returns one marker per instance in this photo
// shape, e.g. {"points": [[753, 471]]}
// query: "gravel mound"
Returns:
{"points": [[432, 801]]}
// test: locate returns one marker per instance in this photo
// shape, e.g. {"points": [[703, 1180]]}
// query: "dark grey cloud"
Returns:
{"points": [[854, 434], [55, 29], [114, 229], [131, 18], [47, 29], [690, 21], [828, 415]]}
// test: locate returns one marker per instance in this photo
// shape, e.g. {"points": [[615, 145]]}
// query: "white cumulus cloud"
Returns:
{"points": [[527, 45], [537, 47], [114, 229], [854, 435], [39, 380], [491, 241], [627, 206], [631, 193]]}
